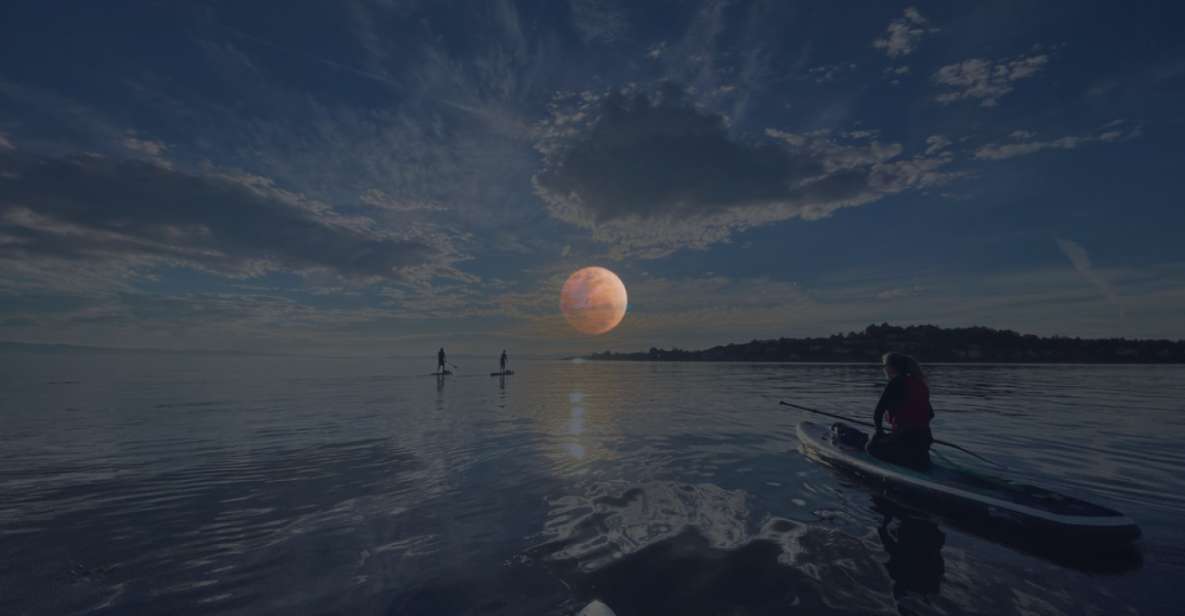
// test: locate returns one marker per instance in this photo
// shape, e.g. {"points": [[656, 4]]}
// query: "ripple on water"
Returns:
{"points": [[316, 486]]}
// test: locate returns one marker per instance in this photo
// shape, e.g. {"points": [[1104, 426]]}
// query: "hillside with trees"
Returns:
{"points": [[930, 344]]}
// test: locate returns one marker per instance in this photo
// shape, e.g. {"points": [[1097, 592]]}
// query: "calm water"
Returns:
{"points": [[280, 486]]}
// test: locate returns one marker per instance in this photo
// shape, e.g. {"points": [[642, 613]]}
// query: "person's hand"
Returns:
{"points": [[872, 441]]}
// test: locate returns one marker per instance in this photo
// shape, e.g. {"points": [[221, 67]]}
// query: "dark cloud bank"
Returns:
{"points": [[96, 208], [653, 173]]}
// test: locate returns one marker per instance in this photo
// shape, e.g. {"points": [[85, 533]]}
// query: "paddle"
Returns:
{"points": [[872, 425], [454, 366], [818, 412]]}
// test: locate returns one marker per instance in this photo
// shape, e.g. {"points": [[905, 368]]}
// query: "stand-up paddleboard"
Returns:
{"points": [[445, 373], [596, 608], [956, 490], [503, 373]]}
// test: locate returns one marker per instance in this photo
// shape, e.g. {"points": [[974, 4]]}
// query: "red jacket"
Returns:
{"points": [[907, 401]]}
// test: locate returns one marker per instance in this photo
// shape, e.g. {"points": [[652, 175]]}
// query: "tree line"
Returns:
{"points": [[928, 343]]}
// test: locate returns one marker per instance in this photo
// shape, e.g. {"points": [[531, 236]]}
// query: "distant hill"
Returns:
{"points": [[929, 344]]}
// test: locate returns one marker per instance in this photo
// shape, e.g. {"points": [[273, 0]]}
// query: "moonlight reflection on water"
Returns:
{"points": [[269, 485]]}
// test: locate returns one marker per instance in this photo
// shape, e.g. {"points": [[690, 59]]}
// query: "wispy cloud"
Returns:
{"points": [[828, 73], [598, 20], [381, 200], [435, 170], [1081, 262], [895, 73], [936, 144], [903, 34], [1025, 142], [148, 147], [649, 173], [96, 208], [985, 80]]}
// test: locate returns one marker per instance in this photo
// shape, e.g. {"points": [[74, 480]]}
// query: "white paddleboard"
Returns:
{"points": [[596, 608]]}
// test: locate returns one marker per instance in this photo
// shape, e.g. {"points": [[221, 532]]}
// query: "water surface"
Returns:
{"points": [[219, 485]]}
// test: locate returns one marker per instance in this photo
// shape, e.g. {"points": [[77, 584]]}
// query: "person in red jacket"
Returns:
{"points": [[906, 402]]}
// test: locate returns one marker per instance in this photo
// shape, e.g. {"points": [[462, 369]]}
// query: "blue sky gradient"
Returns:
{"points": [[383, 176]]}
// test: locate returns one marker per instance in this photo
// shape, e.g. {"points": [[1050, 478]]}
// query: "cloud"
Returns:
{"points": [[148, 147], [895, 73], [985, 80], [704, 55], [993, 151], [651, 173], [1024, 143], [445, 128], [665, 305], [894, 293], [903, 34], [827, 73], [240, 319], [598, 20], [95, 209], [379, 199], [5, 144], [936, 144], [1081, 262]]}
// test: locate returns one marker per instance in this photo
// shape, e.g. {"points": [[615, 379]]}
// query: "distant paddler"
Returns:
{"points": [[441, 362], [503, 360]]}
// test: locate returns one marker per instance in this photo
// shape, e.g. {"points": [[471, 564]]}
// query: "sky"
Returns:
{"points": [[387, 177]]}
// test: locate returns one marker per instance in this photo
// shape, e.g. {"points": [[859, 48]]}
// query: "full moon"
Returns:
{"points": [[593, 300]]}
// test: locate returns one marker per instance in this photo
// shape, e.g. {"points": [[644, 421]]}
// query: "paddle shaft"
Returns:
{"points": [[872, 425], [818, 412]]}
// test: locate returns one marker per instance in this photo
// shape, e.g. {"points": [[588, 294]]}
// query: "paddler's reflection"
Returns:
{"points": [[914, 546]]}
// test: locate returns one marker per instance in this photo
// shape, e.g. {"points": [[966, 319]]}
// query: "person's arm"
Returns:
{"points": [[891, 397]]}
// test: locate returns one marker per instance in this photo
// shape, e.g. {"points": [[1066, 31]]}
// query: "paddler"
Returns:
{"points": [[502, 360], [906, 401], [440, 362]]}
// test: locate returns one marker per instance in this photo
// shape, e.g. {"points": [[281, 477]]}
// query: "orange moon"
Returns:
{"points": [[593, 300]]}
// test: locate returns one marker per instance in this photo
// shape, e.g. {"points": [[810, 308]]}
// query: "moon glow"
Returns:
{"points": [[593, 300]]}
